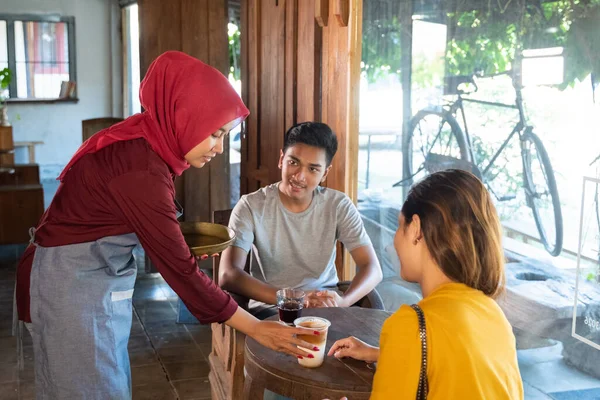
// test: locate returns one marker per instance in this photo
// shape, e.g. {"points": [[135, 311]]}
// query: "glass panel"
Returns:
{"points": [[509, 91], [3, 54], [386, 43], [235, 142], [132, 40], [42, 59], [3, 45]]}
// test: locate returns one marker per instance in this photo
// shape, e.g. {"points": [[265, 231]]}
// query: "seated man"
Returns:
{"points": [[292, 227]]}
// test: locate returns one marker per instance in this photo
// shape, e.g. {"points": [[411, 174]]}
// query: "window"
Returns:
{"points": [[40, 52], [131, 60], [510, 63]]}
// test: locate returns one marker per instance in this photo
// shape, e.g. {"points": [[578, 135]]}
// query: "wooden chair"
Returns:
{"points": [[227, 356], [91, 126]]}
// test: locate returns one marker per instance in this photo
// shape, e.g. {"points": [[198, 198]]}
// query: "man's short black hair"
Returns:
{"points": [[316, 134]]}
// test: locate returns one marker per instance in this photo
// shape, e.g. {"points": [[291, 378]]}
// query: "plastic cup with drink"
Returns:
{"points": [[319, 341]]}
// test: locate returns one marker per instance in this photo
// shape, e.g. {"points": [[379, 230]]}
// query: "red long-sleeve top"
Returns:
{"points": [[124, 188]]}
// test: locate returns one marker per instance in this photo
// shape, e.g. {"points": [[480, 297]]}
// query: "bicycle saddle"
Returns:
{"points": [[452, 84]]}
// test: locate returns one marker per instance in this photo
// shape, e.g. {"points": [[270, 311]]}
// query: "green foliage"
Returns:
{"points": [[479, 45], [381, 53], [234, 50], [5, 79], [487, 39], [582, 49]]}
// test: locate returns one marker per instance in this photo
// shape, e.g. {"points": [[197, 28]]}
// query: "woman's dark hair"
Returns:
{"points": [[314, 134], [461, 228]]}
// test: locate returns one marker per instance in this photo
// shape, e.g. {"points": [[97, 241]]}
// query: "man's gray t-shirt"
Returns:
{"points": [[296, 249]]}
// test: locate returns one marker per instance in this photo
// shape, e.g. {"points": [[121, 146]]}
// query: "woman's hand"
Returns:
{"points": [[282, 338], [354, 348], [205, 256], [324, 298], [271, 334]]}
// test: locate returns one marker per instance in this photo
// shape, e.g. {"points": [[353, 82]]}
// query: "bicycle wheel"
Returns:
{"points": [[597, 221], [430, 134], [597, 201], [541, 192]]}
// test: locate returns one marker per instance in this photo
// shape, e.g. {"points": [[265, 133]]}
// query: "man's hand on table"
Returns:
{"points": [[324, 298]]}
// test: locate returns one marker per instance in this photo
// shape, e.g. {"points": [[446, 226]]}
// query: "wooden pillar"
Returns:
{"points": [[340, 76], [294, 70], [263, 72], [281, 60], [198, 28]]}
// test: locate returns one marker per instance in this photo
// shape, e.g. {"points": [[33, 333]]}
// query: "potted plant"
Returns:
{"points": [[5, 79]]}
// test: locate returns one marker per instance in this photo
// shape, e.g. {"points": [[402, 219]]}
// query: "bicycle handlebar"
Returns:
{"points": [[508, 72], [451, 83]]}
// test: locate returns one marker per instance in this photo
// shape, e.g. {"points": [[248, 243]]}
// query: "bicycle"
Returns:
{"points": [[450, 147]]}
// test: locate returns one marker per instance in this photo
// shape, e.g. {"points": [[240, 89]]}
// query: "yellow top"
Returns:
{"points": [[471, 349]]}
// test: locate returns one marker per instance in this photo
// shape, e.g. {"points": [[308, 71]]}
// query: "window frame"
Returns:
{"points": [[11, 51]]}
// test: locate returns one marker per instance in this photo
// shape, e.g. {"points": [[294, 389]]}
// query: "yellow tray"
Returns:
{"points": [[206, 238]]}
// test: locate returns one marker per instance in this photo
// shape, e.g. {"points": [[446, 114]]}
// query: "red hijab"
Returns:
{"points": [[185, 101]]}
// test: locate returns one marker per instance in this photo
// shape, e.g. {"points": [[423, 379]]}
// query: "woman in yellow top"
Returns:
{"points": [[449, 241]]}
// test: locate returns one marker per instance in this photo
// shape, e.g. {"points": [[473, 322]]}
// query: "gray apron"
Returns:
{"points": [[81, 310]]}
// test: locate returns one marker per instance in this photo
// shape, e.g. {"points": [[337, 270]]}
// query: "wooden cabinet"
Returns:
{"points": [[7, 146], [21, 195], [19, 174], [21, 207]]}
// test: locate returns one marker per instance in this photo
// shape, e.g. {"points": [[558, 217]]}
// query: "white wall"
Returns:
{"points": [[98, 81]]}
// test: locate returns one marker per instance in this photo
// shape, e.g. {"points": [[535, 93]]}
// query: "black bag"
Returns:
{"points": [[423, 387]]}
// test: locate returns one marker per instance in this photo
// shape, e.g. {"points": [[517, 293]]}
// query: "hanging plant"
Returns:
{"points": [[5, 79]]}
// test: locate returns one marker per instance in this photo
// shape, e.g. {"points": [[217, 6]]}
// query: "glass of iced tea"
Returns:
{"points": [[290, 303], [316, 324]]}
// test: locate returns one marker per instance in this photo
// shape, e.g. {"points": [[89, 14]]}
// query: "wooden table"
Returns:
{"points": [[21, 208], [280, 373]]}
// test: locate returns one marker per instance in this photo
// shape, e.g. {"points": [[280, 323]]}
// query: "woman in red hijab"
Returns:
{"points": [[76, 279]]}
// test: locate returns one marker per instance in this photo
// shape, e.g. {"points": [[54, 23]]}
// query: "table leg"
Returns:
{"points": [[253, 390]]}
